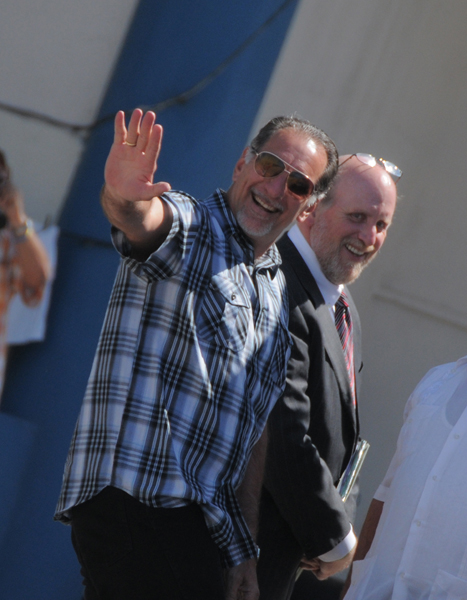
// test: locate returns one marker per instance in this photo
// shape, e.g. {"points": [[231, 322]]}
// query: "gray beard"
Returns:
{"points": [[341, 274], [252, 232]]}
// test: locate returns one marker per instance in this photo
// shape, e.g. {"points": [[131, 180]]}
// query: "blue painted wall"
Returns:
{"points": [[171, 46]]}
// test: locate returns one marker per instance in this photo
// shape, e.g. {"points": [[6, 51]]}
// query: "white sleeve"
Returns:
{"points": [[342, 549]]}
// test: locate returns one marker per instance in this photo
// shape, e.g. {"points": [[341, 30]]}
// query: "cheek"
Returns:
{"points": [[380, 240]]}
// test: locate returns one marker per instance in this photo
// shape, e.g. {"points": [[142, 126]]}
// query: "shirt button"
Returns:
{"points": [[417, 523], [402, 575], [457, 436], [435, 477], [233, 296]]}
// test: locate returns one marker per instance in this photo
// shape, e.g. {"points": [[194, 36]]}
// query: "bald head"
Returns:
{"points": [[348, 227]]}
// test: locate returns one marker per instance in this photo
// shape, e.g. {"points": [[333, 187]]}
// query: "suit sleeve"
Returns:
{"points": [[297, 478]]}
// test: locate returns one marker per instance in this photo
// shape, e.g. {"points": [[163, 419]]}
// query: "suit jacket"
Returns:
{"points": [[313, 428]]}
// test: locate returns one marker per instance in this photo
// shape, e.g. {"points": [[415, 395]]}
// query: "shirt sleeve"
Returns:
{"points": [[166, 261], [414, 399], [342, 549]]}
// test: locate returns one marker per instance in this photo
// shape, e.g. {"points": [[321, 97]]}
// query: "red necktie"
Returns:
{"points": [[345, 331]]}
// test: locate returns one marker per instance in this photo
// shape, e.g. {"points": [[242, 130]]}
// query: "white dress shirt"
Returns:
{"points": [[331, 294], [420, 547]]}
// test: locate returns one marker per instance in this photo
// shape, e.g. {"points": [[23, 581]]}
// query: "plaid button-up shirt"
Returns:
{"points": [[192, 357]]}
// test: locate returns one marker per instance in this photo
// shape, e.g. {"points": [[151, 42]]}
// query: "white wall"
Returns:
{"points": [[390, 78], [56, 57]]}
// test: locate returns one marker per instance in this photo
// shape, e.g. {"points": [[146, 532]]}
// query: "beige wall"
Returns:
{"points": [[390, 78], [56, 57]]}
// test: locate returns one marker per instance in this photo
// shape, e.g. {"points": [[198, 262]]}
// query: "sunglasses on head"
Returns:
{"points": [[371, 161], [269, 165]]}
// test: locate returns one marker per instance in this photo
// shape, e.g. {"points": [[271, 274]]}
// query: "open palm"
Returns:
{"points": [[132, 161]]}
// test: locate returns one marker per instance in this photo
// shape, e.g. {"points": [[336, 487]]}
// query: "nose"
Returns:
{"points": [[277, 186], [369, 235]]}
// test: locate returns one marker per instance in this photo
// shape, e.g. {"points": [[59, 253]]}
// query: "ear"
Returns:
{"points": [[240, 165], [308, 215]]}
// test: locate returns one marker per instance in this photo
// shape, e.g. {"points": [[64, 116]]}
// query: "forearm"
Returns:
{"points": [[242, 578], [33, 262], [366, 536], [368, 529], [146, 223], [30, 256], [249, 491]]}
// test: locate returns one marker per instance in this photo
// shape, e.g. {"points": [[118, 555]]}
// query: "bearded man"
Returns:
{"points": [[313, 429]]}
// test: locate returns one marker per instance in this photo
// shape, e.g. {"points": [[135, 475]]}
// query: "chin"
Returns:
{"points": [[253, 230]]}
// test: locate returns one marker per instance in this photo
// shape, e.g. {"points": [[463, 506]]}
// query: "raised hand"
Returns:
{"points": [[130, 199], [132, 161]]}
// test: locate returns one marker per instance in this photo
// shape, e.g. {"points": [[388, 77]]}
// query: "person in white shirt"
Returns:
{"points": [[413, 543]]}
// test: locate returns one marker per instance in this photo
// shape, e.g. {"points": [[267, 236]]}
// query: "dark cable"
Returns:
{"points": [[158, 107]]}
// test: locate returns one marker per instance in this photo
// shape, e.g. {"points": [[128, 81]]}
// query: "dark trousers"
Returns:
{"points": [[280, 553], [128, 550], [280, 558]]}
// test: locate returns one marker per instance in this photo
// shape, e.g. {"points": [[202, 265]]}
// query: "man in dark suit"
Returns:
{"points": [[313, 429]]}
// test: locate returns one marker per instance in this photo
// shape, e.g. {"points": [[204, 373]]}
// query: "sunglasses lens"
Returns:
{"points": [[299, 185], [268, 165]]}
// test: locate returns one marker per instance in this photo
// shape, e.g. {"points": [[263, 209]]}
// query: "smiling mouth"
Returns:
{"points": [[355, 251], [264, 205]]}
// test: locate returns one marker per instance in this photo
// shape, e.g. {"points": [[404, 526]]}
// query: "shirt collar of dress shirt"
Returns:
{"points": [[329, 291]]}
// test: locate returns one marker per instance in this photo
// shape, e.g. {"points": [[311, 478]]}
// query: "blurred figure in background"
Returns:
{"points": [[24, 263]]}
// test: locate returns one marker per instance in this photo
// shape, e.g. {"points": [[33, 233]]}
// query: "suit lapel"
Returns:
{"points": [[332, 343]]}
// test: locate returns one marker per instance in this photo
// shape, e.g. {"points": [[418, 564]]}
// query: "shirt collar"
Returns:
{"points": [[461, 361], [220, 208], [329, 291]]}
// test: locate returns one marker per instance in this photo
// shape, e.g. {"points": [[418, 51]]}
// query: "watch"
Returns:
{"points": [[23, 231]]}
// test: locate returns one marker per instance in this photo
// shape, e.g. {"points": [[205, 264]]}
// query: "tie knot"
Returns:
{"points": [[342, 301]]}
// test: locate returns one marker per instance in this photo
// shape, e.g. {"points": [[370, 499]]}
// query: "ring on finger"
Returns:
{"points": [[128, 144]]}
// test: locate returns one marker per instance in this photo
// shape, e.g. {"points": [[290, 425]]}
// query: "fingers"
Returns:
{"points": [[119, 128], [134, 127], [310, 565], [143, 133], [153, 146]]}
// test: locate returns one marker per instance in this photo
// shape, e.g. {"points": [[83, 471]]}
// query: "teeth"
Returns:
{"points": [[267, 207], [354, 250]]}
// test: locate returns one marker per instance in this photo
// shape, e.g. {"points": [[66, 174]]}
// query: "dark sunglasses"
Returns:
{"points": [[371, 161], [268, 164]]}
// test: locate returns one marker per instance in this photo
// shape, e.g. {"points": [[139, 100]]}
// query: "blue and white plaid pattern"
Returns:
{"points": [[191, 358]]}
